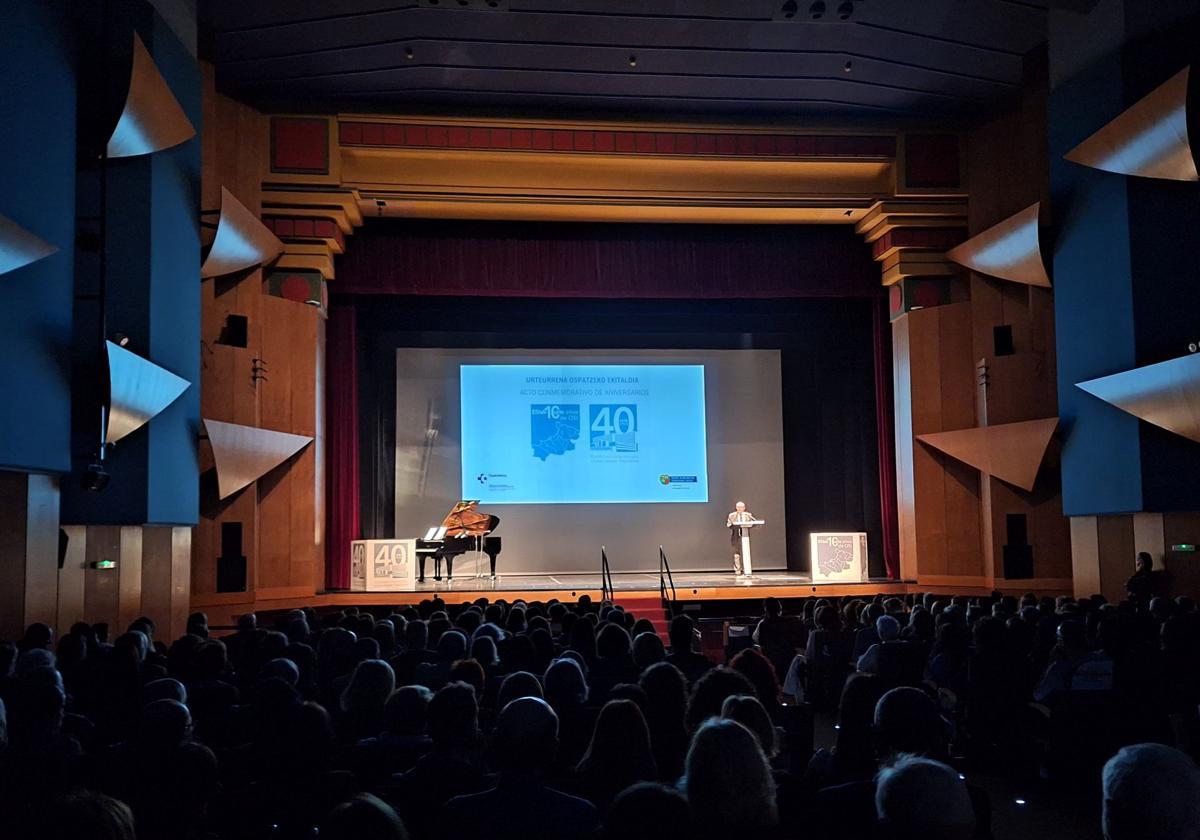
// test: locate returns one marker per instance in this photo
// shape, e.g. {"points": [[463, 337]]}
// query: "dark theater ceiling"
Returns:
{"points": [[887, 58]]}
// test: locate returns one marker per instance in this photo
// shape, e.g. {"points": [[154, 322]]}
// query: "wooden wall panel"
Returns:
{"points": [[14, 492], [71, 579], [1116, 548], [1183, 568], [157, 577], [100, 592], [129, 577]]}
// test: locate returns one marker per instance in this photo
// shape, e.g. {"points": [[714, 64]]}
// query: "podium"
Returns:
{"points": [[744, 529]]}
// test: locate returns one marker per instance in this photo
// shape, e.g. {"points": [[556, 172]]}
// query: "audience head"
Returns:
{"points": [[370, 686], [648, 648], [758, 669], [526, 736], [918, 798], [453, 715], [470, 672], [710, 692], [516, 685], [682, 634], [363, 817], [728, 782], [887, 628], [1151, 792], [620, 741], [407, 710], [907, 720], [85, 815], [648, 811], [564, 684], [750, 713]]}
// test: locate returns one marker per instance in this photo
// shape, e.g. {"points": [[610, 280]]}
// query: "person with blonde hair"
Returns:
{"points": [[728, 783]]}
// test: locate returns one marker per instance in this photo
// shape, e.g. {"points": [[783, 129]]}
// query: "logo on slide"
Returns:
{"points": [[553, 428], [664, 479], [613, 427]]}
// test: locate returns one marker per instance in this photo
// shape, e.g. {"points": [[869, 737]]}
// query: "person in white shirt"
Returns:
{"points": [[740, 515]]}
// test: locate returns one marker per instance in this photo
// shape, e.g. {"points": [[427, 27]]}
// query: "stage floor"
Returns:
{"points": [[622, 582]]}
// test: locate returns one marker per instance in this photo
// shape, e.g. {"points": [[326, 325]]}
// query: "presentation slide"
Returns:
{"points": [[583, 434]]}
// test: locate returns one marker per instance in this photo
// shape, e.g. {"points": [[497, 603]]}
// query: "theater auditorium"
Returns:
{"points": [[599, 420]]}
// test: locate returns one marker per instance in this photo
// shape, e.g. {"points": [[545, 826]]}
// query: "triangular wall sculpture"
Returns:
{"points": [[138, 390], [1011, 452], [19, 247], [242, 241], [1150, 139], [152, 119], [1010, 250], [243, 454], [1166, 394]]}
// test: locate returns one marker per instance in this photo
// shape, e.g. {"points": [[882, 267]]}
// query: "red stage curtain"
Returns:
{"points": [[341, 412], [885, 429], [522, 259]]}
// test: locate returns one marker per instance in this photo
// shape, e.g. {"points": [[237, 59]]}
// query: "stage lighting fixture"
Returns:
{"points": [[789, 9], [848, 66], [95, 478], [120, 339], [845, 10], [817, 10], [1193, 347]]}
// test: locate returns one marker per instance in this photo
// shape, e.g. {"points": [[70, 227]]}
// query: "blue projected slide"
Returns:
{"points": [[552, 434]]}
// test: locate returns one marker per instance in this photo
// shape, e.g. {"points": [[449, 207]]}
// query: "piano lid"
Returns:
{"points": [[465, 520]]}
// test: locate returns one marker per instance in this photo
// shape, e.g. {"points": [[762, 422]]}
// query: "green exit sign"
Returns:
{"points": [[1184, 547], [106, 564]]}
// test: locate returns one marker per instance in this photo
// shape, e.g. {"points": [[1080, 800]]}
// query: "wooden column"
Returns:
{"points": [[29, 506]]}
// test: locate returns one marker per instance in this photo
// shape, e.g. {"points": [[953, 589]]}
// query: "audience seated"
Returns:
{"points": [[537, 719]]}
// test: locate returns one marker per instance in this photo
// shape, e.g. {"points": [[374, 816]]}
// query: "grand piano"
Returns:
{"points": [[464, 529]]}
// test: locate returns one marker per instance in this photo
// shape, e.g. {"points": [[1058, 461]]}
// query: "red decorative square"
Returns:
{"points": [[300, 145], [563, 141], [305, 228], [437, 135], [604, 141], [764, 144], [785, 145], [685, 144], [585, 141], [726, 144], [664, 143], [414, 135], [643, 141], [542, 138], [459, 137], [393, 135], [350, 133], [501, 138], [624, 141], [480, 138], [522, 138], [806, 146], [745, 144], [372, 134], [706, 144]]}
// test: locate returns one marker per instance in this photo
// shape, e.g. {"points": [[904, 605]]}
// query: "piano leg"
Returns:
{"points": [[449, 568], [437, 567], [492, 563], [420, 568]]}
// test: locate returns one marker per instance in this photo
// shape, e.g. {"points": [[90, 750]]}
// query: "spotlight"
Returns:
{"points": [[789, 9], [1019, 801], [817, 10], [845, 10], [1193, 347], [120, 339], [848, 66], [95, 478], [408, 53], [633, 61]]}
